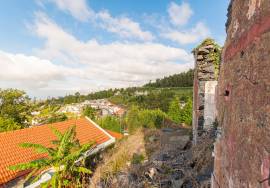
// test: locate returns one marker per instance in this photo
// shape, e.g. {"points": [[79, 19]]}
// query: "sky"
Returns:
{"points": [[59, 47]]}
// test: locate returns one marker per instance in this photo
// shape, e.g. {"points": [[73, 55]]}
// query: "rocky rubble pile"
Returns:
{"points": [[173, 163]]}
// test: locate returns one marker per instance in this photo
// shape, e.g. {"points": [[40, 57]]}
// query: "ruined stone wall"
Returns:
{"points": [[242, 151], [205, 81]]}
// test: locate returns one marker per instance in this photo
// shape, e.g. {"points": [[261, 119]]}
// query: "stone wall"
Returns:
{"points": [[205, 81], [242, 151]]}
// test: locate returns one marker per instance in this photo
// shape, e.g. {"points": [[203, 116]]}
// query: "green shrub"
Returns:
{"points": [[89, 112], [175, 110], [152, 118], [111, 123], [137, 158], [133, 120], [8, 124], [137, 118]]}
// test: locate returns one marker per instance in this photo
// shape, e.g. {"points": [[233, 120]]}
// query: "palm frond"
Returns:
{"points": [[65, 142], [38, 147], [83, 170], [56, 132], [31, 165], [31, 174], [77, 154]]}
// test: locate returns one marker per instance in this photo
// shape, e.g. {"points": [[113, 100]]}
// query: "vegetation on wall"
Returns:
{"points": [[214, 55]]}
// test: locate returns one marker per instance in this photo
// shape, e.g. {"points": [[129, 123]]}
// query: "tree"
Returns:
{"points": [[174, 110], [8, 125], [89, 112], [184, 79], [62, 158], [56, 117], [15, 106]]}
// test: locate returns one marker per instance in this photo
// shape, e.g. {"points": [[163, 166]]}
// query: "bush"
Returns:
{"points": [[152, 118], [137, 158], [186, 113], [132, 119], [175, 110], [137, 118], [111, 123], [57, 117], [8, 125], [89, 112]]}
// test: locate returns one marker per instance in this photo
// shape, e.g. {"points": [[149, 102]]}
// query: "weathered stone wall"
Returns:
{"points": [[205, 81], [242, 152]]}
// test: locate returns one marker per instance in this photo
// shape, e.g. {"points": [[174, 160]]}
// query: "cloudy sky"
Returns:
{"points": [[58, 47]]}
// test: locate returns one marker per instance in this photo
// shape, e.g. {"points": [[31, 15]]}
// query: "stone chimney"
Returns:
{"points": [[207, 58]]}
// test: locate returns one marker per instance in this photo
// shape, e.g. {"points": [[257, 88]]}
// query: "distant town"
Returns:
{"points": [[103, 108]]}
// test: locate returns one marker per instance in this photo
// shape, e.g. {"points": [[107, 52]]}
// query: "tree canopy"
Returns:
{"points": [[15, 109], [184, 79]]}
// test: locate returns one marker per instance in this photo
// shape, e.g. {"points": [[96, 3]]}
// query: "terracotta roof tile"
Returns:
{"points": [[114, 134], [11, 153]]}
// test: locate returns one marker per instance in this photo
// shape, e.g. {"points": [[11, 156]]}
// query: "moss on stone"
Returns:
{"points": [[214, 54]]}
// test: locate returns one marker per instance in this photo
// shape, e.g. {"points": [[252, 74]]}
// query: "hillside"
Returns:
{"points": [[184, 79]]}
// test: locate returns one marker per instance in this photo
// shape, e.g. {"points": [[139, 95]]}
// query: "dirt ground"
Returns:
{"points": [[170, 161]]}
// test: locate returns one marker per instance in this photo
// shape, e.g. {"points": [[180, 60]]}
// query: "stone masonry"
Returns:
{"points": [[205, 81], [242, 149]]}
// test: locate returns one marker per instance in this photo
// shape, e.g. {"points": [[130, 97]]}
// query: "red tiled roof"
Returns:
{"points": [[11, 153], [114, 134]]}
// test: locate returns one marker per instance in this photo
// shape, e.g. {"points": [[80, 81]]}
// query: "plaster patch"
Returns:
{"points": [[235, 27], [210, 104], [253, 4], [251, 8], [265, 167]]}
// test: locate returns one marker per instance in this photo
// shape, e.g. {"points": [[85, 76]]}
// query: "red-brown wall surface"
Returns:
{"points": [[242, 152]]}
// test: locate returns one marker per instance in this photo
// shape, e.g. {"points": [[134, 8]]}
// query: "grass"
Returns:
{"points": [[128, 150]]}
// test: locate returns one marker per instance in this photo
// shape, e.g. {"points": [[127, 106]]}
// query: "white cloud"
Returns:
{"points": [[77, 8], [179, 14], [117, 64], [31, 71], [193, 35], [123, 26]]}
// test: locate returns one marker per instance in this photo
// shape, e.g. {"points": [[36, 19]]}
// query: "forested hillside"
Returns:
{"points": [[184, 79]]}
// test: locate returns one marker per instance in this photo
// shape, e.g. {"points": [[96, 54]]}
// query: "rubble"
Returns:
{"points": [[173, 163]]}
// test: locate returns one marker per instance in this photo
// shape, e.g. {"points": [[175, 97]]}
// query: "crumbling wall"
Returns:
{"points": [[205, 81], [242, 151]]}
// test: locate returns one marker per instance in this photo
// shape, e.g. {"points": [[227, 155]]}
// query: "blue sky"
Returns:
{"points": [[57, 47]]}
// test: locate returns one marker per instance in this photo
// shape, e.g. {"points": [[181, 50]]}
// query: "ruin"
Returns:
{"points": [[242, 149], [207, 58]]}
